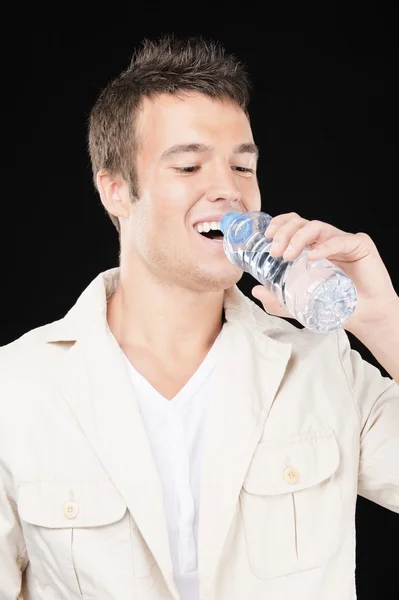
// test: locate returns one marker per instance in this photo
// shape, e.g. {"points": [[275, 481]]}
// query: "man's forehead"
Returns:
{"points": [[184, 119]]}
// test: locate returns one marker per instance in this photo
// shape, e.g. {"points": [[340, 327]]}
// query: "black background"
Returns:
{"points": [[324, 114]]}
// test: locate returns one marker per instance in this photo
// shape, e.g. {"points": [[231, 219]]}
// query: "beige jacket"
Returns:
{"points": [[299, 425]]}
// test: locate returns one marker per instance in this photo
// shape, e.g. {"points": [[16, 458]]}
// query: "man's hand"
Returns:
{"points": [[356, 254]]}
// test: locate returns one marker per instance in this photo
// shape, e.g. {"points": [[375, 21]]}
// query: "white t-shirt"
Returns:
{"points": [[175, 429]]}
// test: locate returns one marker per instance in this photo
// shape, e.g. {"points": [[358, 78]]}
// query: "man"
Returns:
{"points": [[167, 438]]}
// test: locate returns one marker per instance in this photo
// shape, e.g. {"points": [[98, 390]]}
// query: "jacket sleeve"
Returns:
{"points": [[377, 400], [13, 555]]}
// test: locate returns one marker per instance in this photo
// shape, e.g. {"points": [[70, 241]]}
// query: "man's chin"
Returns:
{"points": [[219, 283]]}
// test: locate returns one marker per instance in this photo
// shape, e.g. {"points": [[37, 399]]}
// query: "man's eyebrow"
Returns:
{"points": [[181, 148], [246, 148]]}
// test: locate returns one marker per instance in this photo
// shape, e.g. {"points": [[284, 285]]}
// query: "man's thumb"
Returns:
{"points": [[269, 301]]}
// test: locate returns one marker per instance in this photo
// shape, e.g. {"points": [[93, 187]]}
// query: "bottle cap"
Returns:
{"points": [[227, 219], [243, 229]]}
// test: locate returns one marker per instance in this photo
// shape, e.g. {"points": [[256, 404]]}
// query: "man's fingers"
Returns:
{"points": [[291, 234], [278, 221], [349, 247], [284, 234]]}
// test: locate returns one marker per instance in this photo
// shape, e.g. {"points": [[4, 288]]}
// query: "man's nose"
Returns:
{"points": [[224, 186]]}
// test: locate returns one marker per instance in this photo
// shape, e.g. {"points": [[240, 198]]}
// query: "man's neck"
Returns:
{"points": [[170, 323]]}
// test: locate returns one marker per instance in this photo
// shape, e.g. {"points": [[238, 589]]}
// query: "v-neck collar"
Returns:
{"points": [[189, 388]]}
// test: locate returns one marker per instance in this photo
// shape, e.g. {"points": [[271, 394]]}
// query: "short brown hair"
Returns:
{"points": [[167, 65]]}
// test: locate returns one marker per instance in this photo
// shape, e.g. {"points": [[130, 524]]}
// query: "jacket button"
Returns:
{"points": [[70, 510], [291, 476]]}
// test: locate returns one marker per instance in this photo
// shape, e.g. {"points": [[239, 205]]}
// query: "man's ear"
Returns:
{"points": [[114, 193]]}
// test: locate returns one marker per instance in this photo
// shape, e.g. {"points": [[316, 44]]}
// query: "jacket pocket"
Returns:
{"points": [[291, 504], [77, 536]]}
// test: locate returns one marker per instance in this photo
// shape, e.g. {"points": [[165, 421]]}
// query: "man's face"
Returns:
{"points": [[195, 162]]}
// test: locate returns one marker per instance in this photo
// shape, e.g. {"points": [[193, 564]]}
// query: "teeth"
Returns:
{"points": [[205, 227]]}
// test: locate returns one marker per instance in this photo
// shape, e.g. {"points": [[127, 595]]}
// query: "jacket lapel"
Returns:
{"points": [[95, 383], [247, 381]]}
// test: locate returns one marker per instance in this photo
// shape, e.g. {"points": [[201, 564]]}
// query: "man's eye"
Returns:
{"points": [[243, 169], [186, 169]]}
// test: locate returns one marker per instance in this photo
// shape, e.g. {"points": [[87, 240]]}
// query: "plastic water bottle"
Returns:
{"points": [[316, 293]]}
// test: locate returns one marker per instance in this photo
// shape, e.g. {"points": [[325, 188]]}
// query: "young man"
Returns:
{"points": [[167, 438]]}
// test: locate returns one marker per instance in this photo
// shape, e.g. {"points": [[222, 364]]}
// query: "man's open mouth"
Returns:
{"points": [[210, 231]]}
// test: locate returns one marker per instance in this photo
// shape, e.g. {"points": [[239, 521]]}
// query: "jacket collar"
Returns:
{"points": [[90, 311]]}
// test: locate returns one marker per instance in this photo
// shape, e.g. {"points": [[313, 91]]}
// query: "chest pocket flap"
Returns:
{"points": [[291, 464], [291, 504], [70, 504]]}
